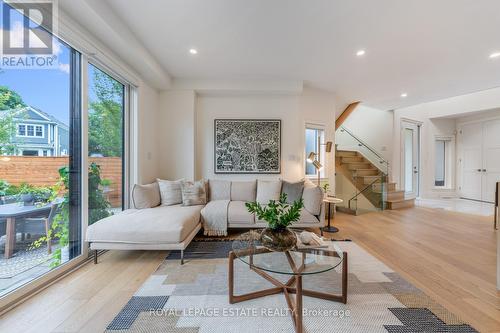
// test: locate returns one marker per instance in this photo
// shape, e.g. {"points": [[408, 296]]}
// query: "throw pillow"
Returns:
{"points": [[146, 196], [243, 191], [313, 198], [170, 192], [193, 193], [268, 190], [219, 189], [293, 191]]}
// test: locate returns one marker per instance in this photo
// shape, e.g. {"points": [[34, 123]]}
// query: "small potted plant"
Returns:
{"points": [[326, 187], [279, 215]]}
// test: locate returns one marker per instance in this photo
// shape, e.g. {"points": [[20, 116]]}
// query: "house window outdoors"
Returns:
{"points": [[443, 162], [30, 130], [21, 130], [39, 131], [315, 135]]}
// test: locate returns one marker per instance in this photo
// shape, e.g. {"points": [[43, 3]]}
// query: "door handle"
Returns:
{"points": [[484, 170], [415, 171], [479, 170]]}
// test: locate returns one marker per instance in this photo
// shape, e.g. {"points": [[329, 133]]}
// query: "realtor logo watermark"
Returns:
{"points": [[27, 34]]}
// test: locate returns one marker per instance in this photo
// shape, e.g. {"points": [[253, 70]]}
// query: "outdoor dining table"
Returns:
{"points": [[14, 211]]}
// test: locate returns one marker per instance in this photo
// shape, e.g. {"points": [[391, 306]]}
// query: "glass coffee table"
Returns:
{"points": [[295, 263]]}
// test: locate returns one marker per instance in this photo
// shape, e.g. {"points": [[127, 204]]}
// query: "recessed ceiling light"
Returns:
{"points": [[360, 53], [494, 55], [403, 95], [193, 51]]}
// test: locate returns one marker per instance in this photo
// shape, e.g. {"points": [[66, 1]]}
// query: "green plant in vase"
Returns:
{"points": [[279, 215], [326, 187]]}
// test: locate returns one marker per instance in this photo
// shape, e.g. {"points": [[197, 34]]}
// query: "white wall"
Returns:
{"points": [[374, 127], [187, 121], [146, 126], [249, 106], [177, 134], [439, 118], [430, 129]]}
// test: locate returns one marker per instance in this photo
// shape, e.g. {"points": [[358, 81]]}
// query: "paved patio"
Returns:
{"points": [[25, 265]]}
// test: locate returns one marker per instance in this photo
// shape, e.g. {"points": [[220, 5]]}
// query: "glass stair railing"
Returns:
{"points": [[361, 174]]}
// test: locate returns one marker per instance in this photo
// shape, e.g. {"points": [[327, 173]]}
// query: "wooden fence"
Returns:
{"points": [[43, 171]]}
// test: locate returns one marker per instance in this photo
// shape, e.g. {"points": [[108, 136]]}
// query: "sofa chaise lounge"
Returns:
{"points": [[152, 225]]}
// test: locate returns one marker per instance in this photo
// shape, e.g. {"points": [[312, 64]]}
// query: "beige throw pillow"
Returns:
{"points": [[146, 196], [170, 192], [193, 193], [243, 191], [313, 198], [268, 190]]}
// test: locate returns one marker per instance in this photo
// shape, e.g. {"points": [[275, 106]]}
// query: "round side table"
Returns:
{"points": [[329, 201]]}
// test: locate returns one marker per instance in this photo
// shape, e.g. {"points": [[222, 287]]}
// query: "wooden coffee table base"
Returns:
{"points": [[292, 286]]}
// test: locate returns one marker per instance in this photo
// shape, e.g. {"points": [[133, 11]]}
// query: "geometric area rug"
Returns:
{"points": [[193, 298]]}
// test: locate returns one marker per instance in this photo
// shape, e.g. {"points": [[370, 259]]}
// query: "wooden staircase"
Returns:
{"points": [[362, 173]]}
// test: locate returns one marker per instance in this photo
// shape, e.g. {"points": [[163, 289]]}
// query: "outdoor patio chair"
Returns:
{"points": [[40, 225]]}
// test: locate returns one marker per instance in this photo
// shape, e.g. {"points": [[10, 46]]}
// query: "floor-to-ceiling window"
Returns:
{"points": [[40, 160], [44, 130], [106, 145]]}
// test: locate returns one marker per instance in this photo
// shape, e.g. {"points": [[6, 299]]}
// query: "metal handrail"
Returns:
{"points": [[342, 128], [355, 197]]}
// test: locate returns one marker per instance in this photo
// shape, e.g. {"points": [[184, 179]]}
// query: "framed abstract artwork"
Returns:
{"points": [[247, 146]]}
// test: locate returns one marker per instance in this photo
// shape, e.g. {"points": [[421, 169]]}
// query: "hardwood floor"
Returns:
{"points": [[86, 300], [450, 256]]}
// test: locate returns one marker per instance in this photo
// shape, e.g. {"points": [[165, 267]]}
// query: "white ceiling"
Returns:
{"points": [[430, 49]]}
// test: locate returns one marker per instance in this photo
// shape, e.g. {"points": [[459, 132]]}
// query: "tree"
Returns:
{"points": [[9, 99], [105, 116]]}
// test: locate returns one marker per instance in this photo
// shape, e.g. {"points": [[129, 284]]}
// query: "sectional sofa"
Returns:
{"points": [[151, 225]]}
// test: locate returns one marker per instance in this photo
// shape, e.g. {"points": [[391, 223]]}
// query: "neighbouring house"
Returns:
{"points": [[38, 133]]}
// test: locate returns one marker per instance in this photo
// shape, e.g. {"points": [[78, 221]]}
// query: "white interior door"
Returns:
{"points": [[472, 160], [491, 159], [411, 165]]}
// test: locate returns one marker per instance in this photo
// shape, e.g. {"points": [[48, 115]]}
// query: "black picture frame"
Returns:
{"points": [[217, 122]]}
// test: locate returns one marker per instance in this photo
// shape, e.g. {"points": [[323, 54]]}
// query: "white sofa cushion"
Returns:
{"points": [[238, 213], [268, 190], [170, 192], [219, 189], [313, 198], [163, 224], [146, 196], [306, 217], [244, 191]]}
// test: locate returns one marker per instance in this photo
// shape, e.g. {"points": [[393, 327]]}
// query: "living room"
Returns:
{"points": [[221, 166]]}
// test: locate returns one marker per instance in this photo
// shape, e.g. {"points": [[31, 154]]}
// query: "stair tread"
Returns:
{"points": [[399, 200]]}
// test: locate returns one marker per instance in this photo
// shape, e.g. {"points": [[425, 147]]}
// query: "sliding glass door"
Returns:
{"points": [[40, 167], [106, 146], [44, 132]]}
